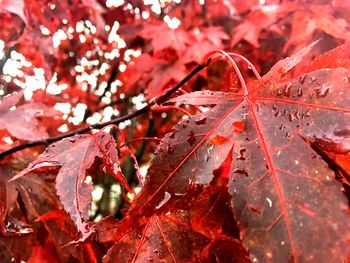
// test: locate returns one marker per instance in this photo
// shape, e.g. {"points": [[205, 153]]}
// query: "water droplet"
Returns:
{"points": [[277, 113], [313, 79], [241, 171], [306, 114], [166, 198], [299, 92], [346, 79], [191, 138], [202, 121], [170, 149], [302, 79], [255, 210], [322, 92], [160, 254], [279, 92], [342, 133], [291, 117], [241, 157], [287, 89], [238, 126]]}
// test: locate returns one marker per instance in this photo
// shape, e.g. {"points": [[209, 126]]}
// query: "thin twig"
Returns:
{"points": [[134, 114]]}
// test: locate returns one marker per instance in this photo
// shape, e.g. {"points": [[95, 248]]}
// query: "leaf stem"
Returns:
{"points": [[250, 64], [234, 66]]}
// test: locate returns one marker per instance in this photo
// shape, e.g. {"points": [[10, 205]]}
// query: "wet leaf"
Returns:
{"points": [[23, 121], [162, 239], [278, 188], [73, 157]]}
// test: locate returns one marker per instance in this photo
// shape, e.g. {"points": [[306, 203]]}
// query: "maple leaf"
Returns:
{"points": [[202, 42], [73, 157], [260, 18], [23, 121], [308, 19], [162, 37], [277, 180], [164, 238]]}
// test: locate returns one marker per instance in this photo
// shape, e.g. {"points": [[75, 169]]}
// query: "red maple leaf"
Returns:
{"points": [[73, 157], [23, 121], [276, 185]]}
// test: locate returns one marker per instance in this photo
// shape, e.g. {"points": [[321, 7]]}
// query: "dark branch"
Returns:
{"points": [[134, 114]]}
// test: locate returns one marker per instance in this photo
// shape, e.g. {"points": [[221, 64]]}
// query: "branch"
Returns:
{"points": [[147, 108]]}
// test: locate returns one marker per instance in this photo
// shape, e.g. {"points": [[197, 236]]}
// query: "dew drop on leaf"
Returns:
{"points": [[241, 171], [299, 92], [170, 149], [277, 113], [287, 89], [241, 155], [191, 138], [302, 79], [322, 92], [202, 121]]}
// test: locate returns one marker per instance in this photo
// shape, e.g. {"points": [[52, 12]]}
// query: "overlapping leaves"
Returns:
{"points": [[284, 193], [73, 157]]}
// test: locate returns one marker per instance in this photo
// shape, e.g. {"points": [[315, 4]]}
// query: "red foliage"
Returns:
{"points": [[240, 167]]}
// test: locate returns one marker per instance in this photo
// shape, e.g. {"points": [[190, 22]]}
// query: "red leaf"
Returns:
{"points": [[163, 239], [335, 58], [209, 211], [310, 18], [278, 186], [162, 37], [23, 122], [73, 156], [225, 249], [42, 255]]}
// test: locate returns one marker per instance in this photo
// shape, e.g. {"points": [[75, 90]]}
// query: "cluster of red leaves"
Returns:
{"points": [[258, 172]]}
